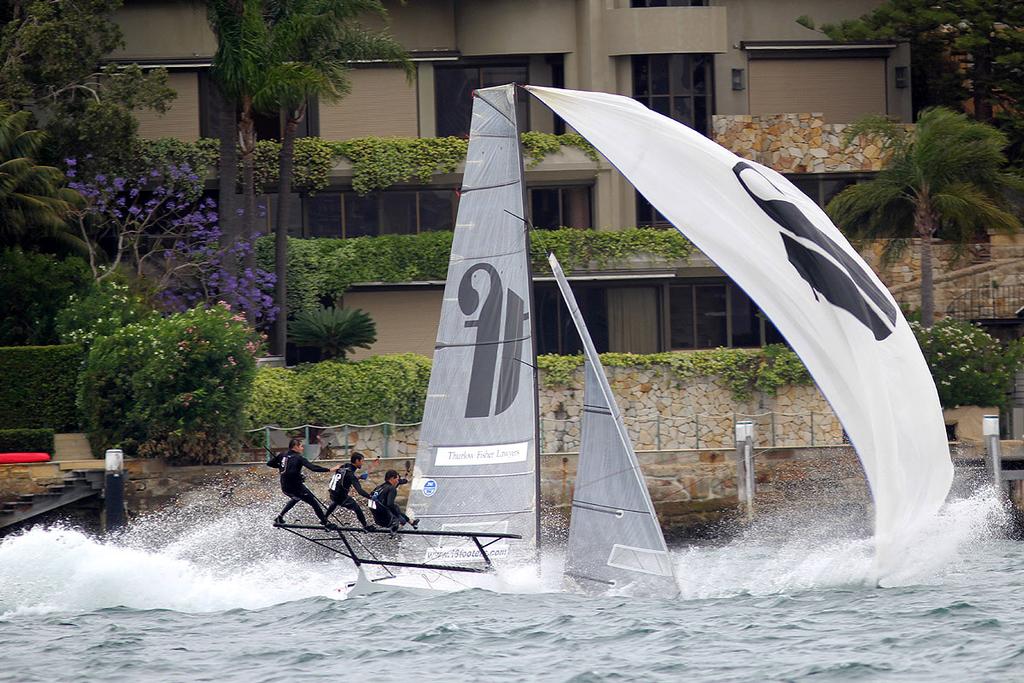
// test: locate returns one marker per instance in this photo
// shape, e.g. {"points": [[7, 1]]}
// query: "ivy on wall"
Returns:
{"points": [[377, 163], [320, 270], [539, 145]]}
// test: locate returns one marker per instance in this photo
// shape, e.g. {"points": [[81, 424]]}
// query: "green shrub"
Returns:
{"points": [[26, 441], [742, 370], [378, 389], [335, 331], [99, 313], [276, 399], [33, 288], [38, 387], [174, 388], [969, 366]]}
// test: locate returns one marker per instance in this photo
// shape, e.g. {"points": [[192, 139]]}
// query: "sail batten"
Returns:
{"points": [[476, 465]]}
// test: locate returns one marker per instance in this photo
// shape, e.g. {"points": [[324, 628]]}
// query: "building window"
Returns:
{"points": [[556, 332], [561, 207], [712, 314], [394, 212], [678, 86], [668, 3], [822, 187], [453, 93]]}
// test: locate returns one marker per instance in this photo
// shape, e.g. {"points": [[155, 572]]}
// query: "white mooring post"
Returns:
{"points": [[990, 428], [113, 490], [745, 464]]}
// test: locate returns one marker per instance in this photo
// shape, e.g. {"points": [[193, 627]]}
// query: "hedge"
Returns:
{"points": [[26, 441], [39, 385], [394, 388]]}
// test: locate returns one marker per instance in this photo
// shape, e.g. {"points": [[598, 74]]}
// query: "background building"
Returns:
{"points": [[728, 68]]}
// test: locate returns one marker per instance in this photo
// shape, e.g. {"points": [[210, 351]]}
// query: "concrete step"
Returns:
{"points": [[71, 446]]}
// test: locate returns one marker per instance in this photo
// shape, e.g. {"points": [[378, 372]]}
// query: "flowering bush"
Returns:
{"points": [[101, 312], [162, 229], [970, 367], [171, 387]]}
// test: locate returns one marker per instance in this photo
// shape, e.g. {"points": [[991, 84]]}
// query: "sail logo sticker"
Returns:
{"points": [[820, 261], [494, 332], [429, 488], [499, 454]]}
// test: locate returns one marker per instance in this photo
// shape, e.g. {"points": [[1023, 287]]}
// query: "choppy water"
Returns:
{"points": [[228, 599]]}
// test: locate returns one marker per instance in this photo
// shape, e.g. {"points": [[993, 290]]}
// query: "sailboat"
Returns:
{"points": [[477, 467], [615, 539]]}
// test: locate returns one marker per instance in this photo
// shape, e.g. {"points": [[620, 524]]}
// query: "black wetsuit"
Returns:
{"points": [[385, 511], [291, 463], [342, 481]]}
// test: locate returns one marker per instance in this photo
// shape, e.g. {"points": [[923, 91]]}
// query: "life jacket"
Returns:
{"points": [[375, 496]]}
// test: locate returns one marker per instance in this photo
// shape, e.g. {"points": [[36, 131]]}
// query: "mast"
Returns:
{"points": [[533, 335]]}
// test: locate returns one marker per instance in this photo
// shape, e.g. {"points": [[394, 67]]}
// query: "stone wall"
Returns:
{"points": [[661, 412], [796, 143]]}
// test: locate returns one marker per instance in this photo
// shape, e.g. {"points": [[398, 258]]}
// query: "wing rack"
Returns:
{"points": [[307, 532]]}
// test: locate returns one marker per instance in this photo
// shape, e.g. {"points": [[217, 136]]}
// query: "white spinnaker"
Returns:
{"points": [[786, 254]]}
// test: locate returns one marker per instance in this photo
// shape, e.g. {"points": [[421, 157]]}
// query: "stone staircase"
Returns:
{"points": [[76, 485], [988, 281]]}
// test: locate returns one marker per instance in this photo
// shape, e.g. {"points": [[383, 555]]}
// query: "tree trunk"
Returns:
{"points": [[227, 176], [279, 343], [981, 84], [924, 226], [247, 131]]}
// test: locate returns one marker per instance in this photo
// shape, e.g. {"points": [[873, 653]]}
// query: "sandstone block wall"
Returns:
{"points": [[661, 412], [796, 143]]}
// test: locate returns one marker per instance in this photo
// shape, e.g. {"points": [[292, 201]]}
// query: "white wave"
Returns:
{"points": [[803, 552], [63, 570]]}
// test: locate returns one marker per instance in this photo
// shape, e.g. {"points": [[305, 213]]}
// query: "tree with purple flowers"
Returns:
{"points": [[159, 228]]}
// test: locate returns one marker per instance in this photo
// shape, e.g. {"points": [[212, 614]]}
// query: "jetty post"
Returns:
{"points": [[990, 429], [745, 482], [113, 490]]}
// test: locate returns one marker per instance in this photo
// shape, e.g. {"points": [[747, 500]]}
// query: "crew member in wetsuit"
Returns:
{"points": [[386, 512], [343, 480], [291, 463]]}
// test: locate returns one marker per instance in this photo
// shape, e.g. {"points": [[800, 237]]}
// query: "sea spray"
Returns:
{"points": [[797, 550]]}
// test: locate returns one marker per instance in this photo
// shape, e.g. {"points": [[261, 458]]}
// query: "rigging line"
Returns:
{"points": [[357, 539], [446, 345], [498, 111], [529, 226], [507, 183], [593, 506]]}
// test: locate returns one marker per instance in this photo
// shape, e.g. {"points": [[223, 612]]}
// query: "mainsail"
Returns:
{"points": [[614, 535], [477, 464], [785, 253]]}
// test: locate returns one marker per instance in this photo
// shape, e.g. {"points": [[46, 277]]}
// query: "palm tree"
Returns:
{"points": [[240, 68], [335, 331], [33, 202], [945, 178], [313, 42]]}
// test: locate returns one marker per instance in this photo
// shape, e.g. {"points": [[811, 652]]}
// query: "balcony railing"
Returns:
{"points": [[988, 303]]}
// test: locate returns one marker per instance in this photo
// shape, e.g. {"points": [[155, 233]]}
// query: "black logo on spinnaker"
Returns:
{"points": [[840, 279], [493, 331]]}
